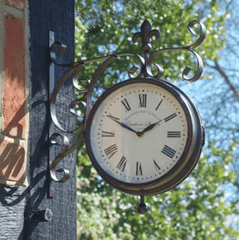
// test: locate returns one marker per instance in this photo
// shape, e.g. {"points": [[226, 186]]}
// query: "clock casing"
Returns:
{"points": [[144, 136]]}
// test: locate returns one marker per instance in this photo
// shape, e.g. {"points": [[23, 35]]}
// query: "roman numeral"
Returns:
{"points": [[142, 100], [112, 117], [110, 151], [126, 104], [168, 151], [122, 164], [139, 171], [174, 134], [108, 134], [156, 165], [170, 117], [158, 105]]}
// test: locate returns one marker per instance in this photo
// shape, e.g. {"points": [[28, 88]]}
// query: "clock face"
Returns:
{"points": [[137, 132]]}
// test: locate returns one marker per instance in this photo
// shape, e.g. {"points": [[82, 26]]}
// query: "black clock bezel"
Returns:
{"points": [[185, 164]]}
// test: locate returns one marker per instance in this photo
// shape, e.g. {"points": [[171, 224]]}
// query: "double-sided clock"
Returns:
{"points": [[144, 136]]}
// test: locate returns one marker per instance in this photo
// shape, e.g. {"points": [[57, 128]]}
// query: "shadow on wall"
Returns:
{"points": [[13, 166], [12, 163], [12, 158]]}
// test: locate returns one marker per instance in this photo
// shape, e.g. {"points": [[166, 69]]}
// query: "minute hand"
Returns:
{"points": [[148, 128], [123, 125]]}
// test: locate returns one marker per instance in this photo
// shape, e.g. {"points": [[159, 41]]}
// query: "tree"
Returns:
{"points": [[196, 208], [219, 103], [221, 88]]}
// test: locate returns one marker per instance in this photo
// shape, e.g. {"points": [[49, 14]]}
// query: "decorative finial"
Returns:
{"points": [[145, 34], [142, 208]]}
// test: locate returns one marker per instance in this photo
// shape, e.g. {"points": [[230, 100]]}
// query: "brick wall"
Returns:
{"points": [[14, 92]]}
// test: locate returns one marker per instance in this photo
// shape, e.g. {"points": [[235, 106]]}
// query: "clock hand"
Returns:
{"points": [[148, 128], [121, 124], [125, 126]]}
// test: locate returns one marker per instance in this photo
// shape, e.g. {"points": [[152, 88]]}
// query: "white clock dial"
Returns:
{"points": [[138, 133]]}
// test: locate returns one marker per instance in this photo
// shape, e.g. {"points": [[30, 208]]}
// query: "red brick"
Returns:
{"points": [[12, 162], [14, 72], [20, 4]]}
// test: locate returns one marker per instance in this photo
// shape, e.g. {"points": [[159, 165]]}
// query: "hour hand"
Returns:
{"points": [[120, 123]]}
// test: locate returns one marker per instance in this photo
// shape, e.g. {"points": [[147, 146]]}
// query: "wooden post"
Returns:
{"points": [[45, 16]]}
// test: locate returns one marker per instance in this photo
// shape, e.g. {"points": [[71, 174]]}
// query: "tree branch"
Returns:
{"points": [[225, 77]]}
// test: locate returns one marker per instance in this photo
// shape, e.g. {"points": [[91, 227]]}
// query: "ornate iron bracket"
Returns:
{"points": [[57, 48]]}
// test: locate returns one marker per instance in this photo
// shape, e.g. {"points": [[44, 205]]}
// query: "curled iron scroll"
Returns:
{"points": [[55, 161], [188, 48], [65, 151]]}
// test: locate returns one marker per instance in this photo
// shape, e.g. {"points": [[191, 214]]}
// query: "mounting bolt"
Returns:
{"points": [[42, 215]]}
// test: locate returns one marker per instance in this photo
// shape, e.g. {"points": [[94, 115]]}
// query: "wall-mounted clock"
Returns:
{"points": [[144, 136]]}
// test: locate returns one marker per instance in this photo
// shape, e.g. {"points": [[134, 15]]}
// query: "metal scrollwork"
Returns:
{"points": [[145, 64], [188, 48]]}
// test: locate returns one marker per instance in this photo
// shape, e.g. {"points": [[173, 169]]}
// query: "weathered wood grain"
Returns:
{"points": [[57, 16]]}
